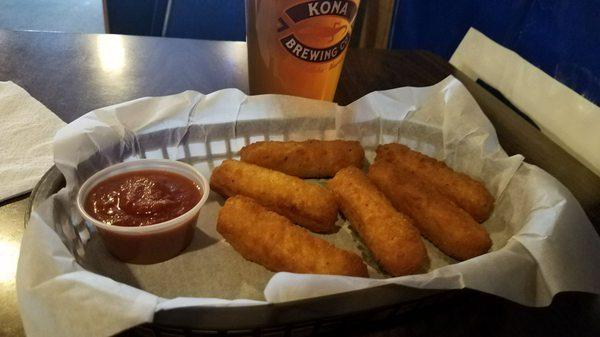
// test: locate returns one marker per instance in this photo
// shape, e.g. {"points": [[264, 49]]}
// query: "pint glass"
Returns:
{"points": [[297, 47]]}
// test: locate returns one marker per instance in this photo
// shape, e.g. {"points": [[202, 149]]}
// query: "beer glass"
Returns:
{"points": [[297, 47]]}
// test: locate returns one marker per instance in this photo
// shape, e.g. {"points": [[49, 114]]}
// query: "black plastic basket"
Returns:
{"points": [[296, 318]]}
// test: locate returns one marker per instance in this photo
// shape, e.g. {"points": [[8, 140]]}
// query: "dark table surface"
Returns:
{"points": [[72, 74]]}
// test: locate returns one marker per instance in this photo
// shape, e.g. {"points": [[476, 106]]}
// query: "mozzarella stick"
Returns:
{"points": [[273, 241], [466, 192], [395, 243], [446, 225], [308, 159], [306, 204]]}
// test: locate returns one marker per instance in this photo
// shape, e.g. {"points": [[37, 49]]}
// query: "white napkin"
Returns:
{"points": [[26, 131], [568, 118]]}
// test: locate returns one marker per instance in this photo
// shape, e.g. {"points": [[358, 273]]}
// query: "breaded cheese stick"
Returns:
{"points": [[306, 204], [273, 241], [308, 159], [466, 192], [446, 225], [395, 243]]}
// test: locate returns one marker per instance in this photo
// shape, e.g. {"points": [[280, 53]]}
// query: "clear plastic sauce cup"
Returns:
{"points": [[151, 243]]}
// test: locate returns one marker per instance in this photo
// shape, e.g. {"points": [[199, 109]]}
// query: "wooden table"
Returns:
{"points": [[72, 74]]}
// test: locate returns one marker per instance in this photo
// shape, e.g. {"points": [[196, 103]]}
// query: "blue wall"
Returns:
{"points": [[196, 19], [562, 37], [208, 19], [136, 17]]}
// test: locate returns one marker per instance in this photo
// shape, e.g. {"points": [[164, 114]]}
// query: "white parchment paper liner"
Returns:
{"points": [[543, 241]]}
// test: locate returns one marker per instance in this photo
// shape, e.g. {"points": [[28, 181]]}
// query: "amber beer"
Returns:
{"points": [[297, 47]]}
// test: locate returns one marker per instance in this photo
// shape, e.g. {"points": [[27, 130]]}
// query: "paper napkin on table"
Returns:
{"points": [[26, 131], [566, 117]]}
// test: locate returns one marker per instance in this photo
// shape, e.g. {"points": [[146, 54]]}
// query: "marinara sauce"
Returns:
{"points": [[142, 198]]}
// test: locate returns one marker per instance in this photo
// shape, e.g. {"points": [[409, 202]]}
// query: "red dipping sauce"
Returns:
{"points": [[142, 198]]}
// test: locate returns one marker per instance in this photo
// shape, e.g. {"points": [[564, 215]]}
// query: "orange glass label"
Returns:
{"points": [[316, 40], [297, 47]]}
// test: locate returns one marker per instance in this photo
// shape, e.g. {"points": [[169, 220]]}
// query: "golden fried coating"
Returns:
{"points": [[308, 159], [306, 204], [466, 192], [395, 243], [273, 241], [448, 226]]}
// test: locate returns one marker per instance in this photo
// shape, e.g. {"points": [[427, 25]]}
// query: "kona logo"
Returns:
{"points": [[327, 7], [344, 8], [320, 30]]}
